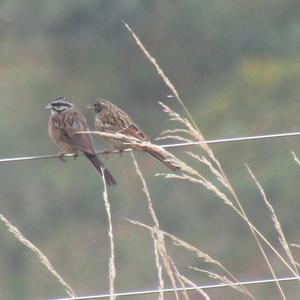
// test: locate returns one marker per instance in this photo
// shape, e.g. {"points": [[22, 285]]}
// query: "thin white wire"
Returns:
{"points": [[204, 287], [216, 141]]}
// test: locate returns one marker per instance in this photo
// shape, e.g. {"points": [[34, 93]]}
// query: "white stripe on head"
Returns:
{"points": [[61, 104]]}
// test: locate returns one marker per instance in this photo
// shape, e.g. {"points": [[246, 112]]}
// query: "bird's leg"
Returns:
{"points": [[61, 156], [76, 155]]}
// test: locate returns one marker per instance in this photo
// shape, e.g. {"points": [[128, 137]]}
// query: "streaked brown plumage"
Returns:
{"points": [[110, 118], [64, 123]]}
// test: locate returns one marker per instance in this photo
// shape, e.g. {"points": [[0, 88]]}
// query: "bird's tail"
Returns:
{"points": [[109, 179], [164, 156]]}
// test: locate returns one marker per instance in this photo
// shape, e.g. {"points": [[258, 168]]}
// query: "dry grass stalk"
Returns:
{"points": [[268, 262], [112, 267], [116, 135], [160, 72], [146, 191], [159, 268], [296, 158], [206, 258], [193, 132], [136, 144], [219, 176], [214, 166], [156, 224], [263, 252], [195, 135], [181, 280], [217, 171], [43, 259], [166, 261], [222, 279], [275, 220], [205, 183], [209, 186], [158, 237], [154, 237], [190, 283]]}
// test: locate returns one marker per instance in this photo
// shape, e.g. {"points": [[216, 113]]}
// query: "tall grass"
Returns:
{"points": [[189, 131], [111, 265], [37, 252]]}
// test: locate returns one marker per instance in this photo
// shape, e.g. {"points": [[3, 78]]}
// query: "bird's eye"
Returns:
{"points": [[97, 107]]}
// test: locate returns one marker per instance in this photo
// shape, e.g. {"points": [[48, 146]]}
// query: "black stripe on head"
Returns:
{"points": [[60, 104]]}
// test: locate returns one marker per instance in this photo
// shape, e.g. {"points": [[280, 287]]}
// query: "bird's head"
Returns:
{"points": [[60, 104], [99, 105]]}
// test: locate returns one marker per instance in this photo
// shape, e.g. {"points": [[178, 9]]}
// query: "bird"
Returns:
{"points": [[110, 118], [64, 123]]}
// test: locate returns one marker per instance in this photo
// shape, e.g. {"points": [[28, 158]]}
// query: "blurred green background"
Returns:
{"points": [[236, 65]]}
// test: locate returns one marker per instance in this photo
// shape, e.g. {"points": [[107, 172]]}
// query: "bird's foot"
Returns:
{"points": [[120, 153], [107, 153]]}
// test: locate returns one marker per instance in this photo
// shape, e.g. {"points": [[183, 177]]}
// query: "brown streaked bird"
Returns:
{"points": [[111, 119], [64, 123]]}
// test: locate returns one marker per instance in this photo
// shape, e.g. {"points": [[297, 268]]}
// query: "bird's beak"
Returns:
{"points": [[49, 106]]}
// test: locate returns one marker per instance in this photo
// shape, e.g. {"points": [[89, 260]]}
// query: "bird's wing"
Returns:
{"points": [[118, 121], [75, 122], [133, 130]]}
